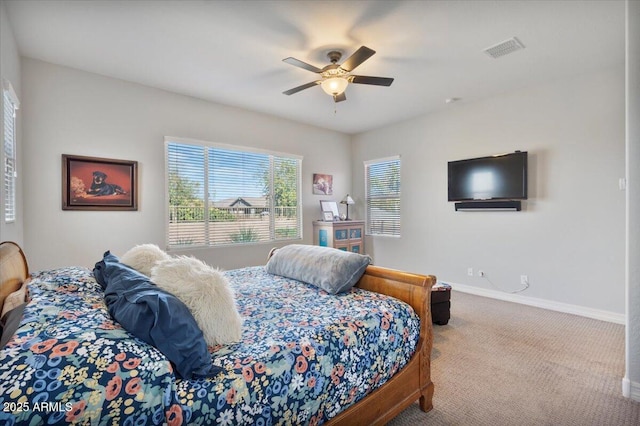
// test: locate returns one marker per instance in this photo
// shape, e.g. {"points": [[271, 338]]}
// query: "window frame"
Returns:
{"points": [[208, 244], [9, 171], [367, 164]]}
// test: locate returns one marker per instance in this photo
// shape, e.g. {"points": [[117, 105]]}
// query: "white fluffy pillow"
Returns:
{"points": [[207, 294], [143, 257]]}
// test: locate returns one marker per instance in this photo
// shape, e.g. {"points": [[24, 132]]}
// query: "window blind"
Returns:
{"points": [[10, 104], [220, 195], [382, 188]]}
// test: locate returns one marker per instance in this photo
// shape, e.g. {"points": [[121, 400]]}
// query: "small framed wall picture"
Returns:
{"points": [[322, 184], [91, 183], [327, 216]]}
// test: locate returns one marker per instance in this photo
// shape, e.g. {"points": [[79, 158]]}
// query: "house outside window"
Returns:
{"points": [[9, 155], [382, 196], [221, 195]]}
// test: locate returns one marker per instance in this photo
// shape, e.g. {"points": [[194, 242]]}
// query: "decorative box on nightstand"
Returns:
{"points": [[344, 235]]}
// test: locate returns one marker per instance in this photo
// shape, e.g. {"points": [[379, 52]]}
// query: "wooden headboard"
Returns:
{"points": [[13, 269]]}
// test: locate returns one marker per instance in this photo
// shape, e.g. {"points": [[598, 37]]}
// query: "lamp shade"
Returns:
{"points": [[347, 200], [334, 86]]}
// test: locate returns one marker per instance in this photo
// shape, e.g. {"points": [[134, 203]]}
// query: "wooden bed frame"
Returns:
{"points": [[411, 383]]}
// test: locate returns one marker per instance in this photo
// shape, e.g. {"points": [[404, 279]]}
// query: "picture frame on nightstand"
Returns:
{"points": [[332, 206], [327, 216]]}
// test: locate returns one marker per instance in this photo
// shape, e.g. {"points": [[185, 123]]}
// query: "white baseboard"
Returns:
{"points": [[631, 389], [542, 303]]}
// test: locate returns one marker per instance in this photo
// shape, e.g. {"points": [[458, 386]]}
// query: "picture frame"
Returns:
{"points": [[322, 184], [327, 216], [331, 206], [93, 183]]}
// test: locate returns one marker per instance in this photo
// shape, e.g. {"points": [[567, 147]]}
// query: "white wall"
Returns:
{"points": [[631, 381], [10, 70], [569, 240], [67, 111]]}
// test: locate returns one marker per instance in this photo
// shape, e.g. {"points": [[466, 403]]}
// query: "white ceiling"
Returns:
{"points": [[231, 52]]}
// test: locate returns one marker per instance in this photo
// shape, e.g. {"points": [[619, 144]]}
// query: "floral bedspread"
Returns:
{"points": [[305, 356]]}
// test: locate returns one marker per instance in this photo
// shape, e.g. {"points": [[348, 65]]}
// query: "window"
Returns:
{"points": [[382, 186], [11, 104], [219, 195]]}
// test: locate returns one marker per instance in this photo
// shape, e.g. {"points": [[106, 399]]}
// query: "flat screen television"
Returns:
{"points": [[497, 177]]}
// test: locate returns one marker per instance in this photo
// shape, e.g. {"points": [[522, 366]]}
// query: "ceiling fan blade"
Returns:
{"points": [[357, 58], [376, 81], [298, 63], [339, 98], [299, 88]]}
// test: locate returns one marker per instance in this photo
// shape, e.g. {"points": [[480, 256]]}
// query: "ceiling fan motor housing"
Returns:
{"points": [[334, 56]]}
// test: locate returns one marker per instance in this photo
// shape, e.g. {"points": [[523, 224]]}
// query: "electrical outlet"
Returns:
{"points": [[470, 272], [481, 273], [524, 280]]}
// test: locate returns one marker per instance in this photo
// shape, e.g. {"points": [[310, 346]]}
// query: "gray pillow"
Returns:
{"points": [[9, 323], [330, 269]]}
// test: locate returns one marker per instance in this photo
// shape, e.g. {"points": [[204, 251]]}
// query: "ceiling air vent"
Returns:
{"points": [[504, 48]]}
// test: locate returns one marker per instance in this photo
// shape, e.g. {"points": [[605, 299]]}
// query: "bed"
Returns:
{"points": [[70, 362]]}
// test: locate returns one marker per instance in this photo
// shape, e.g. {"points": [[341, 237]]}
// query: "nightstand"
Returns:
{"points": [[345, 235]]}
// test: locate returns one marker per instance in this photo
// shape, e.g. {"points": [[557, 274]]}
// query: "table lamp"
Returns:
{"points": [[347, 200]]}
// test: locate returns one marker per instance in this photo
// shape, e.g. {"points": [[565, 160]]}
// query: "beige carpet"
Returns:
{"points": [[499, 363]]}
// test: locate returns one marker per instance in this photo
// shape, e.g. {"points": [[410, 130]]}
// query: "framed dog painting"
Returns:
{"points": [[90, 183]]}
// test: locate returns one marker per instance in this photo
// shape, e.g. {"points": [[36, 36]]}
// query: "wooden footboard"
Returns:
{"points": [[413, 382]]}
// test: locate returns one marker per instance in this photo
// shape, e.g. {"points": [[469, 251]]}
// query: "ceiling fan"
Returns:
{"points": [[336, 78]]}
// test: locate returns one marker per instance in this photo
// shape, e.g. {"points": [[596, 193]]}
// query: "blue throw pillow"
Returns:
{"points": [[333, 270], [154, 316]]}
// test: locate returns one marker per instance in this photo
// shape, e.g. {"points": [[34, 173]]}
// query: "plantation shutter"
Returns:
{"points": [[237, 185], [285, 191], [187, 195], [222, 195], [382, 187], [11, 104]]}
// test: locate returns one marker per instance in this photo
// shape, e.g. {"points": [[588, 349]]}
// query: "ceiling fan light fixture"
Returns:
{"points": [[334, 86]]}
